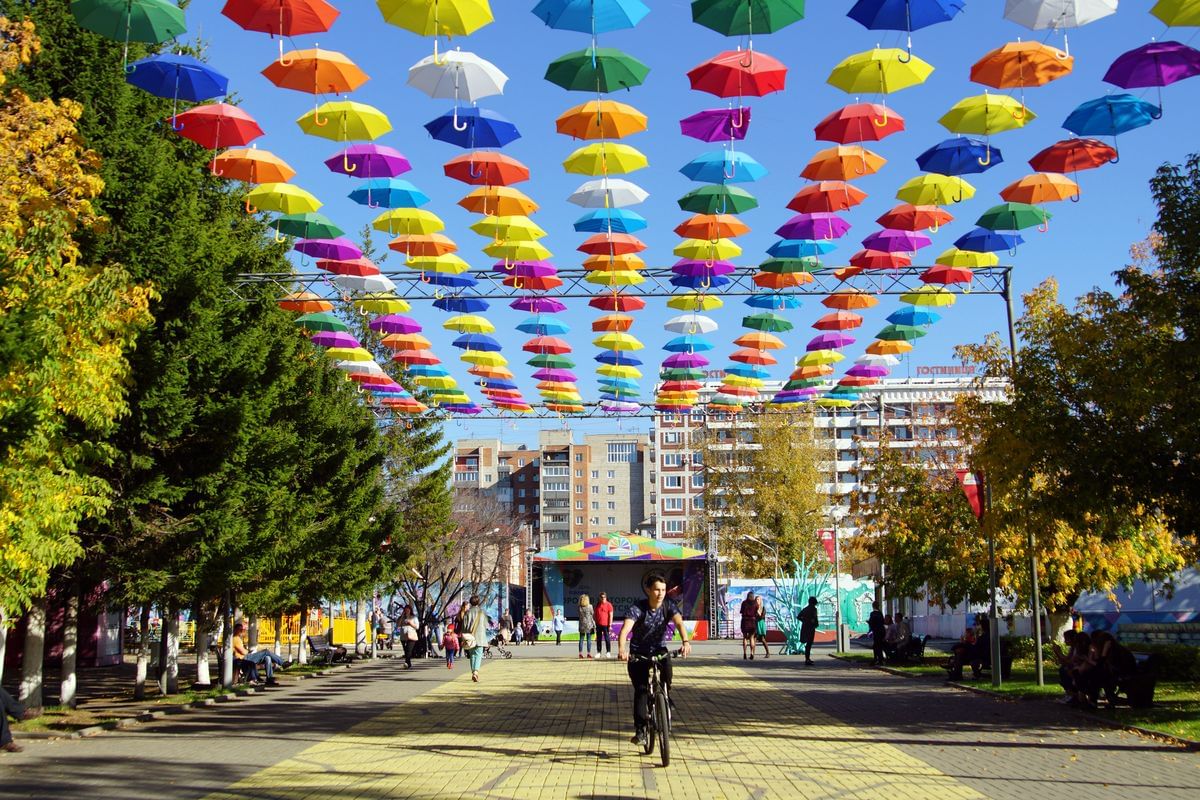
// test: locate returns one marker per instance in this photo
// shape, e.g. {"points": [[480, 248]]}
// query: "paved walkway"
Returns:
{"points": [[541, 726]]}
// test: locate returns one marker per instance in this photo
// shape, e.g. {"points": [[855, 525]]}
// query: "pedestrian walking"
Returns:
{"points": [[760, 626], [450, 645], [808, 628], [559, 624], [748, 610], [506, 627], [878, 629], [530, 626], [604, 618], [474, 635], [587, 624], [11, 708], [409, 629]]}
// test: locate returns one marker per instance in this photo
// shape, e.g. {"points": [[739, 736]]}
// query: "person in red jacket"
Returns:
{"points": [[604, 618]]}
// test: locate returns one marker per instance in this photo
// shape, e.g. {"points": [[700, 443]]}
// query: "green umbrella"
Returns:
{"points": [[321, 321], [789, 265], [747, 17], [681, 374], [550, 361], [767, 321], [309, 225], [804, 383], [718, 199], [128, 21], [901, 333], [1012, 217], [620, 393], [597, 69]]}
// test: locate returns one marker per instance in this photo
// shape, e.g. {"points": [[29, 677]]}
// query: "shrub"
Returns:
{"points": [[1179, 662]]}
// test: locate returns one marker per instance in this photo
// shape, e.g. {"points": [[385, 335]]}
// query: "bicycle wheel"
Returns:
{"points": [[651, 728], [663, 712]]}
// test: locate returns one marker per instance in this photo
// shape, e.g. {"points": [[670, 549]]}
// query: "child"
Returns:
{"points": [[450, 645]]}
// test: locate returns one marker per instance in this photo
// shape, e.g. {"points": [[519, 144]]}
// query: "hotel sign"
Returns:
{"points": [[926, 372]]}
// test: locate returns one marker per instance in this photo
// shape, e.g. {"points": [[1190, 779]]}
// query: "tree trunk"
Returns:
{"points": [[226, 642], [3, 639], [70, 649], [143, 654], [360, 628], [252, 633], [32, 653], [161, 674], [278, 644], [1060, 622], [302, 646], [171, 634], [203, 638]]}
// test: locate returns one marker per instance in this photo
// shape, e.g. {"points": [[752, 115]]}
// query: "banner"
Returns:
{"points": [[972, 487], [829, 540]]}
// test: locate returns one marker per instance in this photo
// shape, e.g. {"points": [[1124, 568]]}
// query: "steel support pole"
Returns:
{"points": [[994, 616]]}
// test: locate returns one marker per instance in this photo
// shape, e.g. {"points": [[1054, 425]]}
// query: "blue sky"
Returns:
{"points": [[1085, 243]]}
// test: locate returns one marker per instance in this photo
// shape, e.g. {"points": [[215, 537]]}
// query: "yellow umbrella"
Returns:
{"points": [[619, 278], [705, 250], [437, 17], [601, 119], [436, 382], [283, 198], [344, 121], [817, 357], [695, 302], [448, 264], [929, 296], [619, 371], [511, 228], [605, 158], [934, 189], [749, 383], [617, 341], [495, 200], [252, 166], [834, 402], [484, 358], [409, 221], [985, 114], [518, 251], [625, 261], [381, 303], [967, 258], [349, 354], [563, 397], [882, 70], [469, 323], [1177, 13]]}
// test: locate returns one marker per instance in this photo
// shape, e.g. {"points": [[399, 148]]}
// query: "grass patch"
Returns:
{"points": [[929, 669]]}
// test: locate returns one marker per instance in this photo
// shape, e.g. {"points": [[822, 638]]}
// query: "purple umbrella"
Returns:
{"points": [[1156, 64], [701, 269], [715, 124], [550, 374], [869, 371], [369, 161], [829, 341], [333, 339], [892, 241], [792, 395], [685, 361], [817, 225], [525, 269], [394, 323], [537, 305], [338, 249], [620, 408]]}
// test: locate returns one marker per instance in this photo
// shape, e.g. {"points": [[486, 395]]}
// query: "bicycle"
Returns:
{"points": [[658, 718]]}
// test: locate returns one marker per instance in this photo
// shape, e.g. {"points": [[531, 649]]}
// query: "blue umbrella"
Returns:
{"points": [[591, 16], [960, 155], [446, 279], [913, 316], [389, 193], [477, 341], [981, 240], [539, 325], [723, 166], [618, 358], [800, 248], [177, 77], [496, 383], [748, 371], [427, 371], [699, 281], [618, 220], [461, 305], [903, 15], [688, 344], [473, 127], [620, 383], [1111, 115], [773, 300]]}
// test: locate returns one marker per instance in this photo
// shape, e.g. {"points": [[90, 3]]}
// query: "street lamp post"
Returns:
{"points": [[774, 551]]}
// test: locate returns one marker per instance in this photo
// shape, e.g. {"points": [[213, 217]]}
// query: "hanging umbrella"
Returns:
{"points": [[547, 345], [816, 358], [282, 18], [909, 217], [617, 220], [767, 321], [315, 71], [352, 266], [968, 259], [336, 249], [702, 268], [252, 166], [469, 323], [1021, 65], [1041, 187], [345, 120], [1072, 155], [892, 241], [935, 190], [929, 296], [826, 196], [903, 15], [723, 166], [1040, 15], [408, 220], [842, 162], [457, 75], [982, 240], [773, 300], [1177, 13], [601, 119], [461, 305], [437, 17], [333, 339], [528, 269], [498, 200], [364, 283], [217, 126], [621, 371], [551, 360], [486, 169], [596, 69], [849, 300], [1111, 115], [879, 71], [369, 161], [859, 122], [283, 198], [986, 114], [472, 127], [177, 77], [711, 226], [477, 342], [518, 251], [717, 124], [751, 355], [913, 316], [1013, 217], [613, 322], [738, 73], [800, 248], [818, 225], [394, 323], [880, 259], [759, 341], [690, 323], [685, 361], [689, 343], [591, 16], [608, 193], [304, 302], [946, 275], [307, 225], [829, 341], [388, 193], [617, 341], [605, 158], [151, 21], [1156, 64], [959, 156], [838, 321], [382, 303], [510, 228], [617, 359], [694, 302], [746, 17], [878, 360], [721, 199], [322, 321], [614, 244], [707, 250], [900, 333]]}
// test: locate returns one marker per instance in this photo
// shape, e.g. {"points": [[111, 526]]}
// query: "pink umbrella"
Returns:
{"points": [[893, 241], [816, 225], [868, 371], [394, 323], [829, 341], [551, 374], [685, 361], [535, 304], [716, 124], [333, 339]]}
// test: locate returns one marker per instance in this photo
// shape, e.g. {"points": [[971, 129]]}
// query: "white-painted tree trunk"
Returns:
{"points": [[1060, 622], [3, 639], [360, 629], [277, 646], [302, 647], [143, 654], [32, 653], [171, 633], [203, 639], [66, 693]]}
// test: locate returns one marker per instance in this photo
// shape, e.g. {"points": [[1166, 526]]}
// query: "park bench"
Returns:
{"points": [[323, 651], [1138, 686], [914, 653]]}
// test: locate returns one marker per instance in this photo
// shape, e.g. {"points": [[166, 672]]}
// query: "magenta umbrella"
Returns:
{"points": [[701, 269], [394, 323], [685, 361], [1155, 64], [339, 249], [537, 305], [551, 374], [829, 341], [369, 161], [525, 269], [868, 371], [715, 124], [617, 407], [893, 241], [817, 225], [333, 339]]}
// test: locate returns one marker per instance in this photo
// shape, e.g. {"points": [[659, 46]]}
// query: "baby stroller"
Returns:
{"points": [[497, 642], [384, 636]]}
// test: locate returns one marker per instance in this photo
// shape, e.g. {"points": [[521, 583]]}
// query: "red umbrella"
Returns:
{"points": [[611, 244], [546, 344], [533, 283], [946, 275], [1072, 155], [282, 17], [858, 380], [416, 357], [357, 266], [879, 259], [217, 126], [859, 122], [486, 169], [907, 217], [829, 196], [617, 302], [681, 386], [748, 355], [739, 73], [838, 321]]}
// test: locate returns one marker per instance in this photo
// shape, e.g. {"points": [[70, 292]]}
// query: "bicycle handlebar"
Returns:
{"points": [[657, 656]]}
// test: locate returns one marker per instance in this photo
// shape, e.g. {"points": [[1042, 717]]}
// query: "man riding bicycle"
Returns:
{"points": [[644, 633]]}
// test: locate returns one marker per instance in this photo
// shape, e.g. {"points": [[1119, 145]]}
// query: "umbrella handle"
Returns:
{"points": [[454, 121], [518, 283], [908, 55], [320, 123], [424, 277], [278, 237], [729, 175], [881, 123], [250, 209], [438, 294], [472, 173], [283, 62], [741, 117], [1045, 226], [935, 226], [987, 158], [749, 62], [1075, 198], [347, 167], [707, 282]]}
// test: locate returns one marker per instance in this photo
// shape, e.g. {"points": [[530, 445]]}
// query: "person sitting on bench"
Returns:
{"points": [[981, 653], [257, 658], [899, 639]]}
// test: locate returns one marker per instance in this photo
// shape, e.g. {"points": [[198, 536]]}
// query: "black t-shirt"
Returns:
{"points": [[650, 627]]}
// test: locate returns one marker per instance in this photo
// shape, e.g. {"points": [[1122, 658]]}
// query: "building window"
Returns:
{"points": [[521, 493], [672, 481], [578, 473], [595, 474], [612, 473], [556, 472], [595, 489], [579, 505], [622, 452], [557, 486], [611, 489], [697, 480], [612, 505], [579, 488], [579, 520], [579, 458], [672, 459], [520, 462], [698, 503], [487, 477], [595, 505], [612, 521], [672, 437], [673, 526], [595, 520], [672, 504], [466, 477]]}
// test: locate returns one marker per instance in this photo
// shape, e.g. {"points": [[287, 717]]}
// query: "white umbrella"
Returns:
{"points": [[877, 361], [457, 75], [690, 323], [608, 193], [1039, 15], [363, 283], [360, 367]]}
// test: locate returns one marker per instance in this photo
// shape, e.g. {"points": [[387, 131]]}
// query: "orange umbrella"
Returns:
{"points": [[749, 355], [614, 263], [811, 371], [838, 321], [484, 371], [486, 168], [844, 162], [826, 196], [781, 280], [759, 340], [881, 347], [908, 217], [712, 227], [434, 244], [316, 72], [738, 391], [616, 244], [564, 408], [850, 300], [845, 273], [1019, 65], [1041, 187], [304, 302], [357, 266], [857, 380], [415, 357], [252, 166], [406, 341], [613, 322], [533, 284], [601, 119], [501, 201]]}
